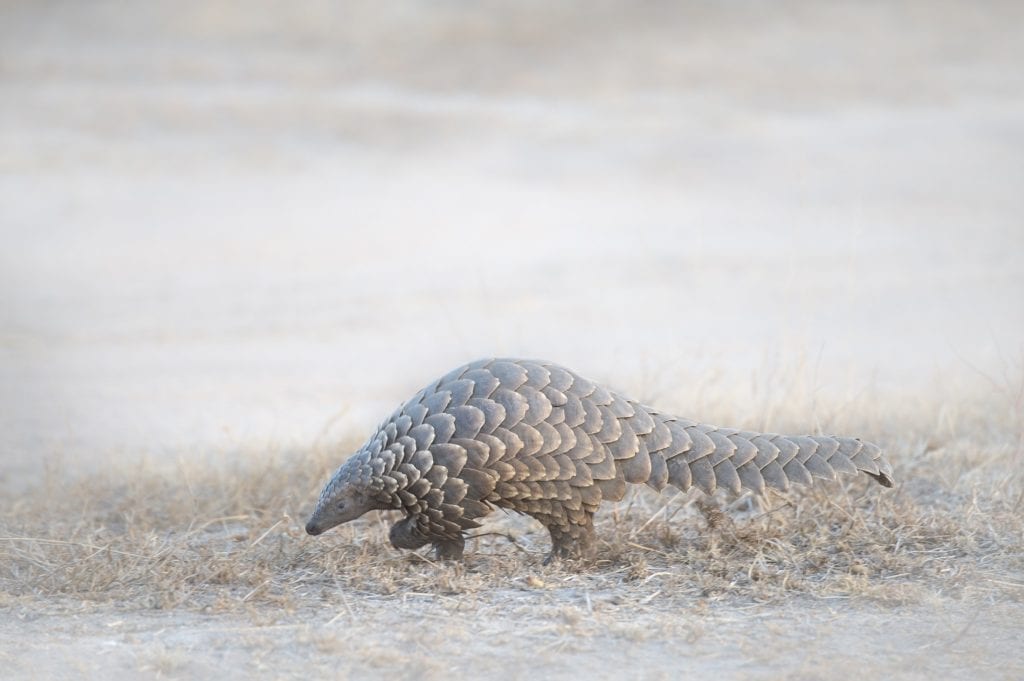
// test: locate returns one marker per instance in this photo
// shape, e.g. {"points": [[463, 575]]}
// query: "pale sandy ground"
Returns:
{"points": [[526, 637], [231, 230]]}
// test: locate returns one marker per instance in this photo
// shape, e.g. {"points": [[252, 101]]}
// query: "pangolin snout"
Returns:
{"points": [[313, 529]]}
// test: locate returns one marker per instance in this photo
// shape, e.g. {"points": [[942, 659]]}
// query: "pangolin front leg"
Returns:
{"points": [[449, 549], [406, 535]]}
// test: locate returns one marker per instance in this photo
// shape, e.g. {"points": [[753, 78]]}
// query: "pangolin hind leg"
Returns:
{"points": [[570, 538]]}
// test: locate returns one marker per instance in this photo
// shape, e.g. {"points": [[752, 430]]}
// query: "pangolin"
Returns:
{"points": [[537, 438]]}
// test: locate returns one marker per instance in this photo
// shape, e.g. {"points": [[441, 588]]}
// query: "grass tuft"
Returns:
{"points": [[232, 540]]}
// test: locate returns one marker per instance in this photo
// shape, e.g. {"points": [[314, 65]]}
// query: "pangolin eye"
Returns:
{"points": [[341, 505]]}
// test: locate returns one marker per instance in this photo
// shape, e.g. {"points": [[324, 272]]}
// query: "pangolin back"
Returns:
{"points": [[534, 437]]}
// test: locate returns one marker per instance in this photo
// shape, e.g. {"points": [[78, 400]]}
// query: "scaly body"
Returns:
{"points": [[537, 438]]}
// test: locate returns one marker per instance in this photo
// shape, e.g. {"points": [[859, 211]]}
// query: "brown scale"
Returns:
{"points": [[536, 438]]}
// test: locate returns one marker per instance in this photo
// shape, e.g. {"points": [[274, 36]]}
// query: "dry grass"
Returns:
{"points": [[232, 540]]}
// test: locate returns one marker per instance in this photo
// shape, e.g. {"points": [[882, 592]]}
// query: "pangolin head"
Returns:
{"points": [[352, 491]]}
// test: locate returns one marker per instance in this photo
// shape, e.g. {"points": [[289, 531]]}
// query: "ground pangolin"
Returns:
{"points": [[535, 437]]}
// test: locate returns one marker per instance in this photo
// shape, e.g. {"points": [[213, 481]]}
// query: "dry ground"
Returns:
{"points": [[209, 570]]}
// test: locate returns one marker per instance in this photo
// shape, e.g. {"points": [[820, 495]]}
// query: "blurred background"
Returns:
{"points": [[235, 227]]}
